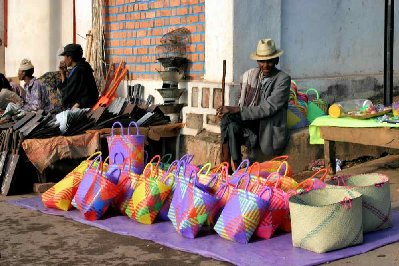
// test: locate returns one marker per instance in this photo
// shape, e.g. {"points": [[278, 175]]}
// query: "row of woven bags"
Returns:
{"points": [[254, 201], [304, 107]]}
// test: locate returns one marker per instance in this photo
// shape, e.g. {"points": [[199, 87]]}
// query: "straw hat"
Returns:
{"points": [[26, 64], [266, 50]]}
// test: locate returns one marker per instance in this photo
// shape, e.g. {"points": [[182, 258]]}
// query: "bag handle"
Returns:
{"points": [[268, 189], [246, 161], [100, 165], [166, 158], [187, 158], [255, 164], [113, 127], [173, 165], [137, 128], [280, 158], [240, 180], [223, 172], [283, 168], [94, 154], [120, 154], [218, 168], [315, 91]]}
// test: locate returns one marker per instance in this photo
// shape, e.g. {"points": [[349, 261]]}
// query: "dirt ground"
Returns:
{"points": [[32, 238]]}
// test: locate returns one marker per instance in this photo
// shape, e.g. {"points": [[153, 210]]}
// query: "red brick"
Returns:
{"points": [[197, 67], [195, 38], [130, 42], [146, 41], [143, 7], [156, 31], [142, 15], [157, 4], [159, 22], [183, 20], [191, 28], [166, 12], [121, 17], [140, 68], [135, 16], [200, 28], [142, 50], [202, 18], [174, 2], [141, 33], [174, 21], [192, 2], [192, 19], [198, 9], [150, 15], [200, 48], [182, 11], [130, 25]]}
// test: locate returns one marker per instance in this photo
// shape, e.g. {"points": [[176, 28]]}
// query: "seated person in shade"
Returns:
{"points": [[6, 94], [261, 117], [36, 96], [78, 86]]}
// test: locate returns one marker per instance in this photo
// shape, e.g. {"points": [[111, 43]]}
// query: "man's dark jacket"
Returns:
{"points": [[80, 87]]}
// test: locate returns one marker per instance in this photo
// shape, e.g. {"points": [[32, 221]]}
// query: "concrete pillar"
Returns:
{"points": [[1, 37]]}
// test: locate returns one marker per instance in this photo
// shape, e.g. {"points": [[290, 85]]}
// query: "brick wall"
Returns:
{"points": [[133, 28]]}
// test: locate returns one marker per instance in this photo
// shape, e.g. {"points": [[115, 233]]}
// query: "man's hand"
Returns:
{"points": [[63, 70], [223, 110]]}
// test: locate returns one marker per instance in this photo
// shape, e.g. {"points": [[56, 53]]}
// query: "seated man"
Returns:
{"points": [[78, 87], [261, 116], [36, 95]]}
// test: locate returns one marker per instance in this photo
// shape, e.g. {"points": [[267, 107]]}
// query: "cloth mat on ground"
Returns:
{"points": [[275, 251], [328, 121]]}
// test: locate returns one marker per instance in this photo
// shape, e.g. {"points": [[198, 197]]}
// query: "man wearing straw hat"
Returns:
{"points": [[261, 115]]}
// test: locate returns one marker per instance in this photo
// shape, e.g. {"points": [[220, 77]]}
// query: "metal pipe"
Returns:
{"points": [[388, 51]]}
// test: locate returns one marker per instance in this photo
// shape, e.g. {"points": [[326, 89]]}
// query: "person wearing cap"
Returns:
{"points": [[78, 86], [260, 119], [36, 95]]}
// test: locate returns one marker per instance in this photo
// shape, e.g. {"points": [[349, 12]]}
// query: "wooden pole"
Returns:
{"points": [[223, 81]]}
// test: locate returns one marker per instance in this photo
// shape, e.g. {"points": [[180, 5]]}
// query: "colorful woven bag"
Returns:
{"points": [[326, 219], [95, 192], [61, 194], [127, 183], [191, 205], [149, 195], [180, 170], [312, 182], [275, 214], [316, 107], [375, 192], [242, 214], [129, 146], [296, 113]]}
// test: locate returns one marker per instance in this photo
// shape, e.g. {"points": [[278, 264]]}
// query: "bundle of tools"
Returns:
{"points": [[113, 79], [10, 143]]}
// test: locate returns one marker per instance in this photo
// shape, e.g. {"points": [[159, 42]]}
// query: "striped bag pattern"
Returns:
{"points": [[191, 205], [326, 219], [61, 194], [149, 195], [241, 215], [95, 193]]}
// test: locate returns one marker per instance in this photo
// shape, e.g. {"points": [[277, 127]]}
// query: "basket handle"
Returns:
{"points": [[313, 90], [93, 155], [255, 164], [137, 128], [113, 127], [166, 158], [100, 165], [280, 158], [187, 158]]}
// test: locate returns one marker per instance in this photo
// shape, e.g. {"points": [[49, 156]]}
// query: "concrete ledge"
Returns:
{"points": [[206, 147]]}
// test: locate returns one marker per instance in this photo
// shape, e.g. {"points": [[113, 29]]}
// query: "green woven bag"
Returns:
{"points": [[316, 107], [326, 219], [375, 190]]}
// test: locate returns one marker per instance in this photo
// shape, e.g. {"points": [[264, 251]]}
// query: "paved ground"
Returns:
{"points": [[32, 238]]}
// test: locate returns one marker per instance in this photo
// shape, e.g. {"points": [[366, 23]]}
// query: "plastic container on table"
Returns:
{"points": [[340, 108]]}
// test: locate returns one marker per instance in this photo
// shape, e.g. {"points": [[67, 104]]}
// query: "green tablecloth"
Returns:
{"points": [[314, 128]]}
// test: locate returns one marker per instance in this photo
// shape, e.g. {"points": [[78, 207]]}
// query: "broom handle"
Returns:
{"points": [[223, 81]]}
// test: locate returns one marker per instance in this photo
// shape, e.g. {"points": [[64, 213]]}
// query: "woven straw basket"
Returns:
{"points": [[326, 219]]}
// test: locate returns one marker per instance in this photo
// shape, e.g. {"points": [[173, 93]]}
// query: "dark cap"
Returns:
{"points": [[72, 49]]}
